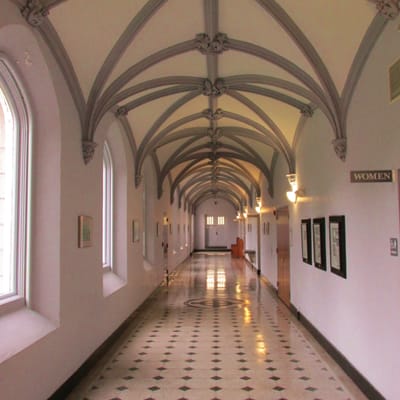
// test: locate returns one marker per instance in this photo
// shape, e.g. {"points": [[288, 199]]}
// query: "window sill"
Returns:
{"points": [[111, 283], [11, 304], [20, 329]]}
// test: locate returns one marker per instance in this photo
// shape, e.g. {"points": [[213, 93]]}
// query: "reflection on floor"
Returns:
{"points": [[216, 332]]}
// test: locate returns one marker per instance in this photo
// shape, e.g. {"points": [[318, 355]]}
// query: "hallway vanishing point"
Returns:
{"points": [[216, 331]]}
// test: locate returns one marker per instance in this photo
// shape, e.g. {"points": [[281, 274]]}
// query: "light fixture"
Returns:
{"points": [[245, 212], [293, 194], [258, 205]]}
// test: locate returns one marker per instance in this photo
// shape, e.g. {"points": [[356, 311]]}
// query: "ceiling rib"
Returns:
{"points": [[137, 23]]}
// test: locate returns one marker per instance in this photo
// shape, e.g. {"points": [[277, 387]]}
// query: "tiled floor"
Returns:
{"points": [[216, 332]]}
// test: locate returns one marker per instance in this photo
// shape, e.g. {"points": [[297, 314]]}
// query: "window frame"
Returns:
{"points": [[16, 99], [221, 220], [107, 208], [209, 220]]}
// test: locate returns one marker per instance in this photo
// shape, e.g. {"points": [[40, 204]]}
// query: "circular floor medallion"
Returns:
{"points": [[215, 302]]}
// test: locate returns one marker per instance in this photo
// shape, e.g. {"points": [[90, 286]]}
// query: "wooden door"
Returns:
{"points": [[282, 220]]}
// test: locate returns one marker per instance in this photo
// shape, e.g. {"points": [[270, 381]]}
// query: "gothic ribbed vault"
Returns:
{"points": [[214, 91]]}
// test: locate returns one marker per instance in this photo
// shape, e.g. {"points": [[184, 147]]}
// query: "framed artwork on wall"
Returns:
{"points": [[306, 240], [319, 243], [85, 228], [337, 245], [135, 231]]}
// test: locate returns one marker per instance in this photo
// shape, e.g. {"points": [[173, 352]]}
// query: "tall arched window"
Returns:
{"points": [[107, 207], [14, 162]]}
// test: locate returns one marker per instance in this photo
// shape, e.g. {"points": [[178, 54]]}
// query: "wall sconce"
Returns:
{"points": [[258, 205], [238, 215], [245, 212], [293, 194]]}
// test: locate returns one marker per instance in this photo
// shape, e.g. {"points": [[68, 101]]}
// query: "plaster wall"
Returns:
{"points": [[221, 208], [73, 305], [268, 239], [358, 315]]}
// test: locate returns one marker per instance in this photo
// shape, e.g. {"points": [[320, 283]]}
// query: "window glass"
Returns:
{"points": [[107, 206], [14, 151]]}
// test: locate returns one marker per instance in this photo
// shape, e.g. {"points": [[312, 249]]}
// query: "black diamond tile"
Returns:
{"points": [[278, 388], [304, 378], [247, 388], [186, 378], [245, 378], [184, 388], [311, 389], [158, 377], [154, 388], [275, 378], [121, 388], [216, 378], [128, 377], [215, 388]]}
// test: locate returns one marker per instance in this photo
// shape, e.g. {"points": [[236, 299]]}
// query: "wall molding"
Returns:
{"points": [[76, 378], [364, 385], [358, 379]]}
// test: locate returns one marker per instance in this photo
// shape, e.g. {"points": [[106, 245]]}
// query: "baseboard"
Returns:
{"points": [[365, 386], [72, 382], [212, 249]]}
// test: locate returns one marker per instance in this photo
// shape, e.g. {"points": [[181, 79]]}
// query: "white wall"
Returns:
{"points": [[74, 305], [218, 207], [358, 315]]}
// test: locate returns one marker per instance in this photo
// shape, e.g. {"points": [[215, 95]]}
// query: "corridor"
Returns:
{"points": [[215, 332]]}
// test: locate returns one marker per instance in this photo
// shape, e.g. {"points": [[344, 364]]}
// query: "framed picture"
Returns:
{"points": [[306, 240], [319, 243], [337, 244], [135, 231], [85, 230]]}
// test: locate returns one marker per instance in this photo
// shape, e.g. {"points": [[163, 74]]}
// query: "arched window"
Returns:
{"points": [[107, 207], [14, 162]]}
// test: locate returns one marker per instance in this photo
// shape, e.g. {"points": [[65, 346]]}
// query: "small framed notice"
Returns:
{"points": [[306, 240], [337, 245], [319, 243], [394, 80], [394, 247], [85, 227]]}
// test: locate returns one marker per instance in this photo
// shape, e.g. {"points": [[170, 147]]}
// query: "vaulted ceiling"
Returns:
{"points": [[212, 90]]}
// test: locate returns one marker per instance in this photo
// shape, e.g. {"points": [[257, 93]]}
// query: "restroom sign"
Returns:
{"points": [[371, 176]]}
